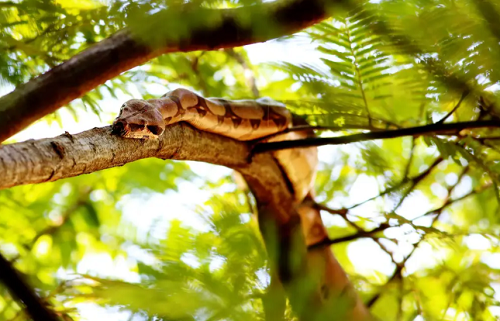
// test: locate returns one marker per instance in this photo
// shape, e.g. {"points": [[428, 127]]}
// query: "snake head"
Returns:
{"points": [[138, 119]]}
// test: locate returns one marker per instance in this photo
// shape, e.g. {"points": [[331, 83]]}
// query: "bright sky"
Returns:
{"points": [[368, 258]]}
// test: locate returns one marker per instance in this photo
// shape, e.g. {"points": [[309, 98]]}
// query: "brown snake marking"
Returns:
{"points": [[239, 119]]}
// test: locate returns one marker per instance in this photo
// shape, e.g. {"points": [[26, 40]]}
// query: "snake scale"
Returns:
{"points": [[243, 120]]}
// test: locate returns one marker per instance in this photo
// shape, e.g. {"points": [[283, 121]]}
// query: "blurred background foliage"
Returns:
{"points": [[119, 240]]}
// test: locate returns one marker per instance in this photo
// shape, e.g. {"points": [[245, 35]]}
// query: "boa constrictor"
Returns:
{"points": [[248, 120], [239, 119]]}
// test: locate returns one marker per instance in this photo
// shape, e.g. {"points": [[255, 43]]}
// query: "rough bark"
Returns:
{"points": [[195, 29], [313, 280]]}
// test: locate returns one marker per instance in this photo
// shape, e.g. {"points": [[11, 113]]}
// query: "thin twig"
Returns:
{"points": [[332, 128], [464, 94], [400, 266], [396, 275], [298, 128], [453, 201], [359, 234], [342, 212], [490, 138], [432, 129], [414, 180], [410, 159]]}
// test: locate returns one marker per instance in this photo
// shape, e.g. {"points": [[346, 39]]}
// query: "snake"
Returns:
{"points": [[243, 120], [261, 119]]}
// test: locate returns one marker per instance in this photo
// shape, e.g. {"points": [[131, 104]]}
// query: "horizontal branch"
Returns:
{"points": [[194, 29], [433, 129], [51, 159]]}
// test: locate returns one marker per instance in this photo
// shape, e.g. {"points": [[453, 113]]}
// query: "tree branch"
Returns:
{"points": [[407, 180], [67, 155], [357, 235], [398, 272], [23, 292], [462, 97], [195, 29], [432, 129]]}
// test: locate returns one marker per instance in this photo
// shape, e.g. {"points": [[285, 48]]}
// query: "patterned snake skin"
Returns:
{"points": [[239, 119]]}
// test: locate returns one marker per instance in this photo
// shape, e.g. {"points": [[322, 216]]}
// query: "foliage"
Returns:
{"points": [[382, 65], [219, 273]]}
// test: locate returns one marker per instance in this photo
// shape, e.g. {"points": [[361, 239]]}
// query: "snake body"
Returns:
{"points": [[248, 120], [239, 119]]}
